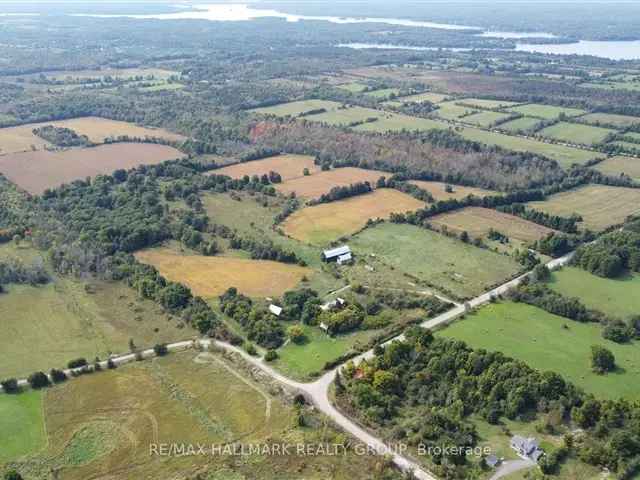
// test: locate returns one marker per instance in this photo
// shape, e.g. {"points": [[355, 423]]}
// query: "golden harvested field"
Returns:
{"points": [[437, 189], [326, 222], [37, 171], [617, 165], [478, 221], [22, 139], [210, 276], [600, 206], [315, 185], [288, 166]]}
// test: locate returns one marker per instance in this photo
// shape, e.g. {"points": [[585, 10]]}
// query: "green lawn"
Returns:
{"points": [[521, 124], [615, 297], [441, 261], [21, 425], [548, 112], [576, 133], [539, 339], [299, 361], [565, 156]]}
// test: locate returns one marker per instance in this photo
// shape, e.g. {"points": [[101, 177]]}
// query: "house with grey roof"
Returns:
{"points": [[527, 448]]}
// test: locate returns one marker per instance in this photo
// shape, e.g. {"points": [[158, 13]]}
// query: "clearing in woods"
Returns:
{"points": [[600, 206], [439, 192], [576, 133], [295, 109], [542, 341], [477, 222], [209, 277], [324, 223], [39, 170], [313, 186], [565, 156], [288, 166], [618, 165], [445, 263]]}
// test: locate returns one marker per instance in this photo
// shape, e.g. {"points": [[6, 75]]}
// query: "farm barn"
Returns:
{"points": [[341, 255]]}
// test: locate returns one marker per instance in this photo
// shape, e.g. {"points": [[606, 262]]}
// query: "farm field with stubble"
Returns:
{"points": [[439, 190], [288, 166], [313, 186], [619, 164]]}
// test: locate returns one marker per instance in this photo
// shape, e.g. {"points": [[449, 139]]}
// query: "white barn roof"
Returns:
{"points": [[276, 310], [336, 252]]}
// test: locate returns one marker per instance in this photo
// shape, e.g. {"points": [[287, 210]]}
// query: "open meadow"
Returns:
{"points": [[209, 277], [478, 221], [432, 97], [621, 121], [548, 112], [616, 297], [313, 186], [484, 103], [21, 425], [295, 109], [485, 118], [540, 339], [518, 125], [104, 425], [288, 166], [383, 93], [445, 263], [565, 156], [398, 122], [618, 165], [451, 110], [67, 319], [600, 206], [439, 192], [36, 171], [326, 222], [576, 133]]}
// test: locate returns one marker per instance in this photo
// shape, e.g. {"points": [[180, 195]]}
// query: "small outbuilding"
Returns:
{"points": [[276, 310], [345, 259]]}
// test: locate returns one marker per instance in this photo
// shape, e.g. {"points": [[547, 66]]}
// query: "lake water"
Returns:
{"points": [[626, 50]]}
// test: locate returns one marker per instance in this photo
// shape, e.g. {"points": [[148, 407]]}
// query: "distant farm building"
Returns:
{"points": [[333, 304], [340, 254], [276, 310]]}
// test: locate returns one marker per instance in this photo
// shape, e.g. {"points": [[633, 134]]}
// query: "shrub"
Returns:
{"points": [[58, 376], [38, 380], [602, 360], [250, 348], [77, 363], [160, 349], [296, 334], [12, 475], [111, 364], [270, 356], [10, 385]]}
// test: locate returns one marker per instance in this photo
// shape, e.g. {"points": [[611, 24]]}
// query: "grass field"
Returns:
{"points": [[437, 190], [610, 119], [313, 186], [383, 93], [615, 297], [521, 124], [288, 166], [21, 425], [478, 221], [423, 97], [61, 321], [599, 205], [321, 224], [576, 133], [548, 112], [210, 276], [452, 111], [39, 170], [482, 103], [104, 425], [485, 118], [565, 156], [347, 116], [539, 339], [619, 164], [296, 108], [398, 122], [444, 262], [628, 146], [353, 87]]}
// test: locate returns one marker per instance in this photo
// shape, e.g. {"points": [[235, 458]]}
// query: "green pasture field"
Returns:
{"points": [[600, 206], [383, 93], [576, 133], [548, 112], [610, 119], [633, 137], [620, 164], [452, 111], [565, 156], [21, 425], [444, 262], [296, 108], [629, 146], [62, 321], [432, 97], [489, 104], [540, 339], [521, 124], [632, 86], [346, 116], [616, 297], [398, 122], [353, 87], [485, 119]]}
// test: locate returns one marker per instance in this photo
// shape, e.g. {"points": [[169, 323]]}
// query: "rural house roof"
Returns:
{"points": [[336, 252], [276, 310], [529, 447]]}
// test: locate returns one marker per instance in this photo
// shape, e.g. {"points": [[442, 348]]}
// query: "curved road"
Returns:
{"points": [[318, 391]]}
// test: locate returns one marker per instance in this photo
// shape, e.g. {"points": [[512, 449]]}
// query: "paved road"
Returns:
{"points": [[510, 466], [318, 391]]}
